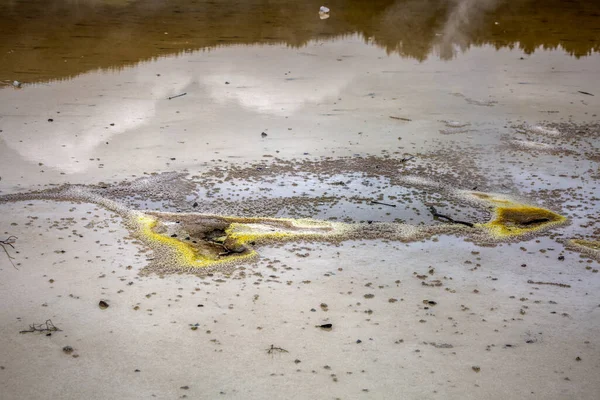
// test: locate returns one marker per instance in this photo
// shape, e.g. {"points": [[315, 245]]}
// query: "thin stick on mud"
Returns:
{"points": [[47, 326], [549, 283], [447, 218], [274, 349], [383, 204], [9, 242], [400, 118], [176, 96]]}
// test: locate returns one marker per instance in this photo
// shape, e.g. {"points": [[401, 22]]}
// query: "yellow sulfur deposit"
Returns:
{"points": [[233, 245], [271, 229], [517, 219], [186, 254], [193, 241], [199, 241]]}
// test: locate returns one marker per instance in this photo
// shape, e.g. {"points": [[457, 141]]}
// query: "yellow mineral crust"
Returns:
{"points": [[219, 240], [244, 233], [511, 220], [183, 253], [281, 229]]}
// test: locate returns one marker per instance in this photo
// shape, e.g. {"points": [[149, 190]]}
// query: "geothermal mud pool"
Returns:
{"points": [[241, 200], [217, 218], [201, 243]]}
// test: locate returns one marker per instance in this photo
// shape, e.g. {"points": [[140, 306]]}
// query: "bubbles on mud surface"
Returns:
{"points": [[590, 248], [559, 132], [453, 131], [168, 189], [421, 181], [530, 145], [540, 130], [456, 124], [475, 102], [455, 127], [561, 139]]}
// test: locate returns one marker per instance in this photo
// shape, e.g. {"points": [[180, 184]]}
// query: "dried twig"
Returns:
{"points": [[447, 218], [274, 349], [383, 204], [549, 283], [176, 96], [9, 242], [47, 326], [400, 118]]}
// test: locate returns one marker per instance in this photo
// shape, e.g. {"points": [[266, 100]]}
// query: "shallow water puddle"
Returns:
{"points": [[188, 241]]}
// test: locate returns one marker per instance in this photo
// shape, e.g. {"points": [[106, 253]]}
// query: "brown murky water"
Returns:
{"points": [[42, 41]]}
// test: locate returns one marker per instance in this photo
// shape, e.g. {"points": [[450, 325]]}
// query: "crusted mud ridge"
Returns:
{"points": [[202, 242]]}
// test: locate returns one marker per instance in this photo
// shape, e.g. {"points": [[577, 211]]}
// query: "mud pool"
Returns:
{"points": [[192, 183], [200, 243]]}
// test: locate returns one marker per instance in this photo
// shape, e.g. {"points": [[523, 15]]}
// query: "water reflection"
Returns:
{"points": [[43, 41], [337, 98], [303, 78]]}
